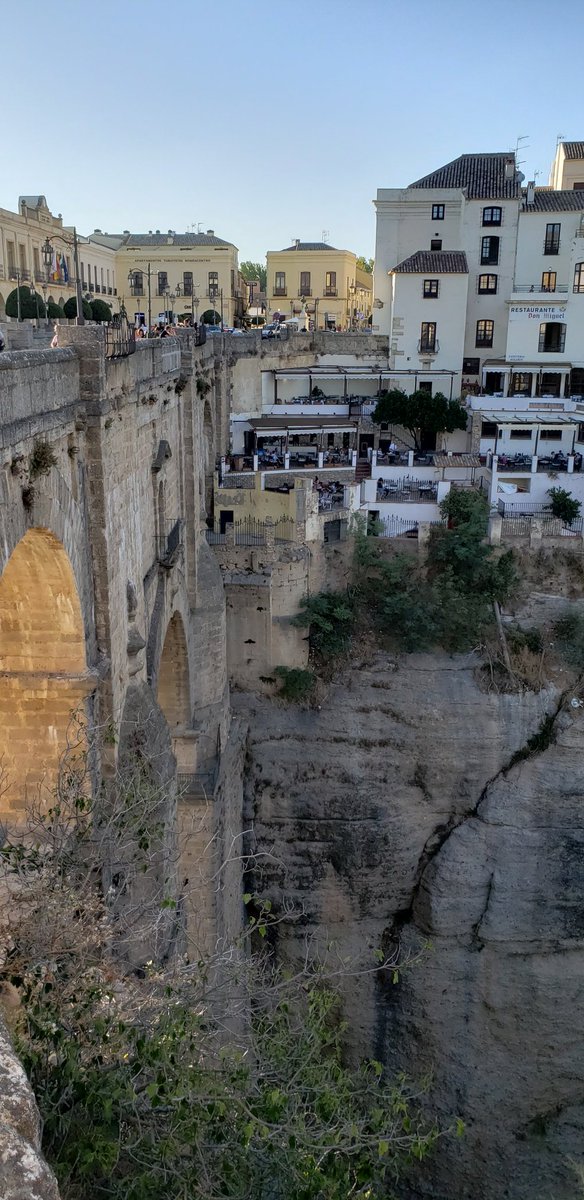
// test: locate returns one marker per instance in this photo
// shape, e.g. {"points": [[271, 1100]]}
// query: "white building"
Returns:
{"points": [[517, 327]]}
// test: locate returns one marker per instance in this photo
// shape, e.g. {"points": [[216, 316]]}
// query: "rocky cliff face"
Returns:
{"points": [[394, 817], [24, 1174]]}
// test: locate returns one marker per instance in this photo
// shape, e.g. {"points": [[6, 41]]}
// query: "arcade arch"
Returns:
{"points": [[43, 669]]}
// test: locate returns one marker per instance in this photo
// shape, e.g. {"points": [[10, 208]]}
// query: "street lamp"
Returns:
{"points": [[35, 294], [352, 291], [136, 289], [47, 253], [48, 258]]}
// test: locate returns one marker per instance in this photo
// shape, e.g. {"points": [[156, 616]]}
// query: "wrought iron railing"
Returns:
{"points": [[331, 291], [251, 532], [169, 545], [120, 337]]}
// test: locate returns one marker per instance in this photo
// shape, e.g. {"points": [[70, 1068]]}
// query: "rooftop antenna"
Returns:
{"points": [[518, 147], [560, 137], [325, 235]]}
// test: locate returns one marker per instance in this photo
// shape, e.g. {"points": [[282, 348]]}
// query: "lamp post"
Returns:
{"points": [[48, 255], [34, 293], [134, 285], [316, 314], [351, 306], [18, 312]]}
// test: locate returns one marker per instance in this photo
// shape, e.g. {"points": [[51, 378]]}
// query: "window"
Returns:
{"points": [[213, 284], [485, 330], [280, 284], [428, 337], [305, 283], [520, 435], [521, 383], [137, 284], [552, 337], [550, 435], [11, 259], [188, 283], [330, 287], [492, 216], [436, 244], [471, 366], [548, 281], [552, 239], [487, 285], [431, 287], [578, 187], [437, 212], [36, 262], [579, 277], [162, 282], [489, 429], [490, 251]]}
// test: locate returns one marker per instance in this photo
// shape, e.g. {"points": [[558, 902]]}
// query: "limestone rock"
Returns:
{"points": [[394, 815], [24, 1174]]}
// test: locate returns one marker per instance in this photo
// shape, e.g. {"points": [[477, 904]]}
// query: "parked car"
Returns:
{"points": [[271, 331], [213, 329], [236, 332]]}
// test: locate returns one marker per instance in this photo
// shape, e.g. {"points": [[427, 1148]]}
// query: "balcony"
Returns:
{"points": [[137, 290], [538, 288], [96, 289], [14, 272], [110, 291], [279, 291], [331, 291], [407, 491], [552, 246], [169, 545], [428, 346], [304, 294]]}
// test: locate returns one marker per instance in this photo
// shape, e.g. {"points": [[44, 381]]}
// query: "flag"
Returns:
{"points": [[64, 271], [54, 267]]}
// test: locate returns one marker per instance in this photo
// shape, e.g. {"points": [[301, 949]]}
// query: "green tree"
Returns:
{"points": [[100, 311], [420, 413], [31, 304], [365, 264], [54, 310], [254, 270], [70, 309], [564, 505]]}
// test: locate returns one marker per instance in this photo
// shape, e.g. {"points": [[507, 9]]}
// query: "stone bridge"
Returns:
{"points": [[111, 603]]}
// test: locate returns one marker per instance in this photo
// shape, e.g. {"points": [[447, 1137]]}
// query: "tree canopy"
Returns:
{"points": [[31, 304], [365, 264], [101, 311], [254, 270], [70, 309], [420, 413]]}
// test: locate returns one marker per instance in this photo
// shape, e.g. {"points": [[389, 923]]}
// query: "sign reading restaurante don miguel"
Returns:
{"points": [[537, 312]]}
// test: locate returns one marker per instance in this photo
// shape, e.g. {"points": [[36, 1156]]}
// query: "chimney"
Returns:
{"points": [[297, 243], [510, 168], [210, 233], [531, 191]]}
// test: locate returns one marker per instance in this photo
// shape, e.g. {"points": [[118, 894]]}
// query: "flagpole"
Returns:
{"points": [[80, 316]]}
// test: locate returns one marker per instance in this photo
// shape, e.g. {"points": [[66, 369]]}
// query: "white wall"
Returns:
{"points": [[410, 309]]}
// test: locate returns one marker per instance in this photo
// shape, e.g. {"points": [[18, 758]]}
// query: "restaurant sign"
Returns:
{"points": [[537, 312]]}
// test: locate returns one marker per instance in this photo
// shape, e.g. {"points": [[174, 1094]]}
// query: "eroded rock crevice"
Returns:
{"points": [[416, 808]]}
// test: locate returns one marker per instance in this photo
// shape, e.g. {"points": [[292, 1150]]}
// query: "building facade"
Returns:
{"points": [[192, 273], [517, 326], [24, 234], [336, 292]]}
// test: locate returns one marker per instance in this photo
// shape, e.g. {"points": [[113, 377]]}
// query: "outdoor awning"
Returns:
{"points": [[301, 424], [458, 460], [334, 372], [525, 417]]}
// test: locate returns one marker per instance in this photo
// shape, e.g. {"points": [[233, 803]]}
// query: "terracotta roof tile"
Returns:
{"points": [[436, 262], [482, 176]]}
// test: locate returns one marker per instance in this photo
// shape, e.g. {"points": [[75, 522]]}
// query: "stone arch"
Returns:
{"points": [[44, 677], [173, 677]]}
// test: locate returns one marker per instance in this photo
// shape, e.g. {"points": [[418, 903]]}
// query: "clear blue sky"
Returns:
{"points": [[270, 121]]}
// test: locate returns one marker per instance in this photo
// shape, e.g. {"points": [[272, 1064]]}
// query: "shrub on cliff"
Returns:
{"points": [[144, 1087], [330, 618], [564, 505]]}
